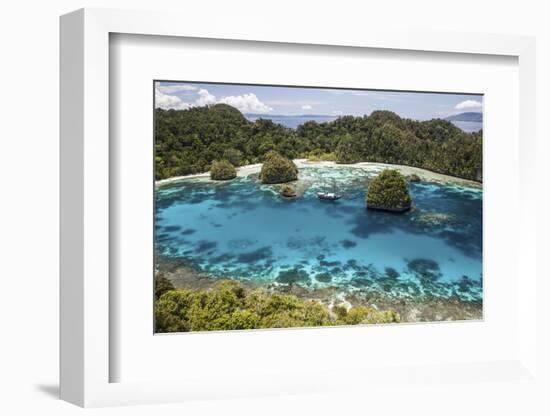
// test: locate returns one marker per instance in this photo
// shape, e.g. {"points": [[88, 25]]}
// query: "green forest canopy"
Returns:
{"points": [[230, 305], [277, 169], [188, 141], [222, 170], [389, 191]]}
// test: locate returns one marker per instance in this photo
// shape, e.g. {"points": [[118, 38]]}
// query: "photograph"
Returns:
{"points": [[303, 209], [308, 206]]}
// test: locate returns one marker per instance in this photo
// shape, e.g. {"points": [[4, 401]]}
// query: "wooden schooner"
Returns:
{"points": [[330, 196]]}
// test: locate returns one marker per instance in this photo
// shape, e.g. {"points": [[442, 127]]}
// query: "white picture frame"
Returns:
{"points": [[85, 211]]}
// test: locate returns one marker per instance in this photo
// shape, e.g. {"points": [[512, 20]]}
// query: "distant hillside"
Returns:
{"points": [[469, 116], [269, 116]]}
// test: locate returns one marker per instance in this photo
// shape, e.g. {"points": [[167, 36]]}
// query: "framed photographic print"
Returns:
{"points": [[280, 214], [281, 206]]}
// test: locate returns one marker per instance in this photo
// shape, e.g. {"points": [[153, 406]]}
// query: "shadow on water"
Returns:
{"points": [[378, 222], [348, 243], [255, 256], [204, 246]]}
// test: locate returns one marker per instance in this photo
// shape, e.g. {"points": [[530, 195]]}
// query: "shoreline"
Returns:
{"points": [[425, 174], [421, 309]]}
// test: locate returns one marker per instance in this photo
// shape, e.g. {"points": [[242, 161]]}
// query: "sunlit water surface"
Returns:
{"points": [[242, 229]]}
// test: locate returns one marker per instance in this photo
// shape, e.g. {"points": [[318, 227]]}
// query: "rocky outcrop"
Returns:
{"points": [[278, 169], [389, 192]]}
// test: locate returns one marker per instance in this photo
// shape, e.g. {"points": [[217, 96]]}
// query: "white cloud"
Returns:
{"points": [[172, 89], [205, 98], [247, 103], [468, 105], [337, 112], [306, 107], [168, 102]]}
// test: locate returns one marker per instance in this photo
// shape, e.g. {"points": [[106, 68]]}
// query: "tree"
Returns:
{"points": [[348, 150], [233, 156], [277, 169], [222, 171], [389, 192], [229, 305], [162, 285]]}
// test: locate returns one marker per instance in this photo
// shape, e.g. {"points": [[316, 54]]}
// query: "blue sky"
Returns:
{"points": [[256, 99]]}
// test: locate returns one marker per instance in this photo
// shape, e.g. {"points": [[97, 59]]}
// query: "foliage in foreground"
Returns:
{"points": [[229, 305], [278, 169], [222, 171], [389, 191], [162, 285]]}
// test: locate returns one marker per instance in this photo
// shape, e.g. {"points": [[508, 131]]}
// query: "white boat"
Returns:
{"points": [[330, 196]]}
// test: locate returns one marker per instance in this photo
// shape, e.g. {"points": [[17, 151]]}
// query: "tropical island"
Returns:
{"points": [[222, 170], [288, 191], [389, 192], [277, 169], [189, 141], [242, 240], [467, 116]]}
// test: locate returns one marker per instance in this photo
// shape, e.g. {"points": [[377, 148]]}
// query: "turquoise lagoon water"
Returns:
{"points": [[242, 229]]}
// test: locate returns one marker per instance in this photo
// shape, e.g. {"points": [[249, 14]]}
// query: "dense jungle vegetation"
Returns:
{"points": [[230, 305], [222, 170], [189, 141], [277, 169], [389, 191]]}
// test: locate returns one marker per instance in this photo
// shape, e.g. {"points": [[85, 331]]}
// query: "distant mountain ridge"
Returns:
{"points": [[290, 115], [469, 116]]}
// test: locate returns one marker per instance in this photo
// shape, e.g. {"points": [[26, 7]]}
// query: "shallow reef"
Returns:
{"points": [[410, 300], [425, 263]]}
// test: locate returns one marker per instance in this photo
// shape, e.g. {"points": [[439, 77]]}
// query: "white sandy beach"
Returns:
{"points": [[424, 174]]}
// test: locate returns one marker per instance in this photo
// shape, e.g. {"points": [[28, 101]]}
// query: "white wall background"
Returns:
{"points": [[29, 56]]}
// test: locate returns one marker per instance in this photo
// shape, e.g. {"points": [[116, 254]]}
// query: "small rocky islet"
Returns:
{"points": [[389, 192]]}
